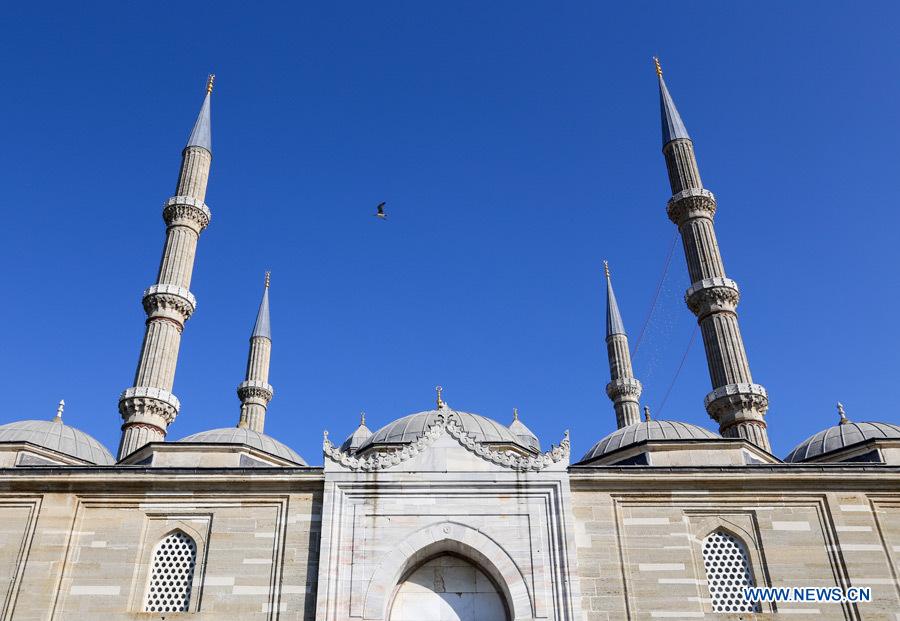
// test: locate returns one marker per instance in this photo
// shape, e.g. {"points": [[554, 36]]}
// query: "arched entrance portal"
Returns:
{"points": [[447, 588]]}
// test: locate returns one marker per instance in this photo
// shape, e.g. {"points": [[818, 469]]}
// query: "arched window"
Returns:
{"points": [[171, 574], [727, 572]]}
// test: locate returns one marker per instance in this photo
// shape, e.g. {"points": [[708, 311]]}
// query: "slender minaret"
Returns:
{"points": [[736, 403], [623, 389], [149, 407], [255, 392]]}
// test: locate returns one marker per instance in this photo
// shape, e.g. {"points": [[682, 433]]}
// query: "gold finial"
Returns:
{"points": [[844, 419], [658, 68], [362, 418], [59, 411], [439, 402], [606, 267], [209, 82], [647, 414], [267, 279], [515, 413]]}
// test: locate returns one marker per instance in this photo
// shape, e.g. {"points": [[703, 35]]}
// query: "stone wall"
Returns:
{"points": [[639, 534], [79, 544]]}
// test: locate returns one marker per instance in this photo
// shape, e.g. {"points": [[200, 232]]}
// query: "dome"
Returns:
{"points": [[840, 436], [235, 435], [412, 427], [649, 430], [59, 437]]}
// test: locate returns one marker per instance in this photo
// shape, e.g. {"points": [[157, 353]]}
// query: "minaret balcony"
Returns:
{"points": [[712, 295], [691, 203], [187, 211]]}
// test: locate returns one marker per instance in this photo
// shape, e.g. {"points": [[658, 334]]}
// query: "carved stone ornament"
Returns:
{"points": [[145, 404], [712, 295], [727, 403], [691, 203], [163, 300], [626, 386], [187, 211], [385, 460], [254, 389]]}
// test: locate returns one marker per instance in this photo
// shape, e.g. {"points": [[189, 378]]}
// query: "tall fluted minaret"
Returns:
{"points": [[623, 389], [255, 392], [149, 407], [736, 403]]}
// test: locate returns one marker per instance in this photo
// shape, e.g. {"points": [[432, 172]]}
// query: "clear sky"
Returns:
{"points": [[517, 145]]}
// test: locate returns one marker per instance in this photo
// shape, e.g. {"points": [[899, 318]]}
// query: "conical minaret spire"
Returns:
{"points": [[255, 391], [149, 407], [736, 403], [623, 389]]}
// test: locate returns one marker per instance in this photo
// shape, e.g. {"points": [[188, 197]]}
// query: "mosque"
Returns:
{"points": [[443, 514]]}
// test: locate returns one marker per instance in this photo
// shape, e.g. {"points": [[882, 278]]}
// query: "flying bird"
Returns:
{"points": [[380, 213]]}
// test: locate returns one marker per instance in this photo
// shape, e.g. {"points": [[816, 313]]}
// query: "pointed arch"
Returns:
{"points": [[171, 573], [448, 538]]}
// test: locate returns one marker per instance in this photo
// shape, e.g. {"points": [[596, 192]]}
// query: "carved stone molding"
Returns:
{"points": [[186, 211], [691, 203], [255, 389], [145, 404], [627, 386], [712, 295], [385, 460], [170, 301], [737, 402]]}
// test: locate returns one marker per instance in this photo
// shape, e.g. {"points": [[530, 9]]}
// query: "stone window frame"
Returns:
{"points": [[703, 525], [158, 526]]}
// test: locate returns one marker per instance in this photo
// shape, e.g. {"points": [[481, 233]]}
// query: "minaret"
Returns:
{"points": [[736, 403], [149, 407], [255, 392], [623, 389]]}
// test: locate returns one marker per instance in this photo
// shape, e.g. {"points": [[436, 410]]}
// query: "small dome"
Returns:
{"points": [[234, 435], [58, 437], [649, 430], [357, 438], [840, 436], [525, 435], [412, 427]]}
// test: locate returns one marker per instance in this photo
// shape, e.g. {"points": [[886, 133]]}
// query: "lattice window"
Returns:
{"points": [[727, 572], [172, 574]]}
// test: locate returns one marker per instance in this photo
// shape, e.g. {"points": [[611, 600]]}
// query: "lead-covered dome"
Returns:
{"points": [[57, 436], [254, 439], [840, 436], [411, 428], [649, 430]]}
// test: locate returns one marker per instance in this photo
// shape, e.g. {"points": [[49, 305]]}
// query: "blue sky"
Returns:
{"points": [[517, 146]]}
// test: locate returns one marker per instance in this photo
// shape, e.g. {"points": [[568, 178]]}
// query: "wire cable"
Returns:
{"points": [[693, 336], [659, 283]]}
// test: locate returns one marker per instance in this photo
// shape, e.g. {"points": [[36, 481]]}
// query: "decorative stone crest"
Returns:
{"points": [[385, 460], [691, 203], [712, 295], [186, 211]]}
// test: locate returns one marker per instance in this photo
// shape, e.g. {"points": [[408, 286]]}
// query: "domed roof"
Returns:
{"points": [[235, 435], [649, 430], [412, 427], [840, 436], [59, 437]]}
